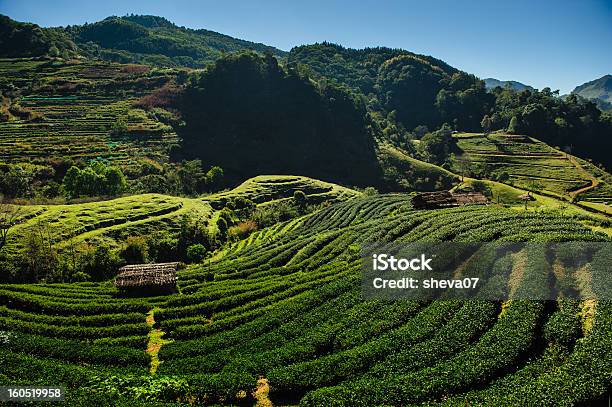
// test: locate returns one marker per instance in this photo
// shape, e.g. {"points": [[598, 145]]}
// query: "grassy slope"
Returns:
{"points": [[509, 195], [141, 214], [528, 161]]}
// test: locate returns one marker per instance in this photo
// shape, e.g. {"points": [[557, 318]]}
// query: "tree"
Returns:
{"points": [[9, 215], [16, 182], [96, 179], [38, 258], [486, 124], [71, 182], [420, 131], [463, 163], [191, 176], [136, 250], [370, 191], [100, 262], [300, 200], [435, 147], [214, 178], [222, 226], [513, 127], [482, 187], [115, 181], [196, 253]]}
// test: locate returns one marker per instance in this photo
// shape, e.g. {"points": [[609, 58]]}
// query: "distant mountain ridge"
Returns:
{"points": [[29, 40], [157, 41], [491, 83], [599, 90], [142, 39]]}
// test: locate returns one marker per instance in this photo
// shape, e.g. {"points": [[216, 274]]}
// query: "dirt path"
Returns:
{"points": [[593, 179], [261, 394], [156, 341]]}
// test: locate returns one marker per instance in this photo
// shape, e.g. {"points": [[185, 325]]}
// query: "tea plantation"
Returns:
{"points": [[530, 164], [279, 318], [69, 109]]}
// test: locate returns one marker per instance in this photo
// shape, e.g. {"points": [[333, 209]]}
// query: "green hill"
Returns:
{"points": [[29, 40], [599, 90], [399, 81], [156, 41], [530, 164], [491, 83], [115, 220], [250, 116]]}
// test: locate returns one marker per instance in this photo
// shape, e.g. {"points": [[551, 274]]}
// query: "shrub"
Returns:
{"points": [[100, 262], [196, 253], [136, 250], [242, 230], [562, 328]]}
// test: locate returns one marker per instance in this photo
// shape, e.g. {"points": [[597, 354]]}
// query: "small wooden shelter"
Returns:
{"points": [[470, 198], [446, 199], [147, 278]]}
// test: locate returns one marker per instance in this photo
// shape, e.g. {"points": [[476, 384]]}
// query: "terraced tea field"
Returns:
{"points": [[73, 107], [267, 188], [136, 215], [528, 163], [279, 317]]}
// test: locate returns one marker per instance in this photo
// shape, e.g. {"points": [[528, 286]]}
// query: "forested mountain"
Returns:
{"points": [[599, 90], [406, 91], [404, 94], [29, 40], [491, 83], [250, 116], [129, 39], [157, 41], [419, 89]]}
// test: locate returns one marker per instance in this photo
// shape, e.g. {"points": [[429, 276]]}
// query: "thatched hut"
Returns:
{"points": [[470, 198], [433, 200], [153, 278], [446, 199]]}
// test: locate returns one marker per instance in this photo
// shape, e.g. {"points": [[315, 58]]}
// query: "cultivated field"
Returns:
{"points": [[532, 165], [279, 317], [74, 109]]}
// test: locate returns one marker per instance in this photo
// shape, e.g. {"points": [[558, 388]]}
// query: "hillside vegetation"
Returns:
{"points": [[530, 164], [282, 310], [599, 90], [250, 116], [132, 38], [406, 91], [53, 242], [29, 40], [262, 175]]}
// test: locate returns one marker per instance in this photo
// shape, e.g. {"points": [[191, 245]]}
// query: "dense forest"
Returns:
{"points": [[406, 95], [29, 40], [156, 41], [409, 91], [250, 116]]}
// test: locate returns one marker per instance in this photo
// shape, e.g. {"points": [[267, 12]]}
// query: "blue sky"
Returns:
{"points": [[559, 44]]}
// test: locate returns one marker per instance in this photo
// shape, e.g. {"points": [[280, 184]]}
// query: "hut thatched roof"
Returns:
{"points": [[527, 197], [470, 198], [446, 199], [147, 275], [430, 200]]}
